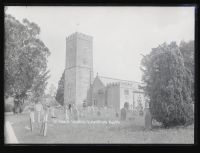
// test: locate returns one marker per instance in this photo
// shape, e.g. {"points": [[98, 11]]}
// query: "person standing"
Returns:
{"points": [[70, 112]]}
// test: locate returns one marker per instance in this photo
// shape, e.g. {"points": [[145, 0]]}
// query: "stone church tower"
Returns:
{"points": [[78, 68]]}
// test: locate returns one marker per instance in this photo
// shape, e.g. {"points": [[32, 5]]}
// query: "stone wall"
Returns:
{"points": [[70, 84], [139, 96], [82, 84], [126, 94], [113, 96]]}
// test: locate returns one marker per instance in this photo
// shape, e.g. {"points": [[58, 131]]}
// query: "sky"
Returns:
{"points": [[120, 34]]}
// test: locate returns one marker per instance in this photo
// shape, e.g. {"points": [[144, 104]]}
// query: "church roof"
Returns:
{"points": [[98, 81], [97, 84]]}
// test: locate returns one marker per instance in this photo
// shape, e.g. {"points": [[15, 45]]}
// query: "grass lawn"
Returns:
{"points": [[131, 132]]}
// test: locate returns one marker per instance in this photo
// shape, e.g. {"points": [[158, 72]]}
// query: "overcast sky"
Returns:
{"points": [[120, 34]]}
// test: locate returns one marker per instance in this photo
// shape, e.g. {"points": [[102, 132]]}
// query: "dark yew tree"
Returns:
{"points": [[168, 85], [60, 90], [187, 50]]}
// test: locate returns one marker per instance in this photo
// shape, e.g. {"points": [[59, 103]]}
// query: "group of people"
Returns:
{"points": [[41, 112]]}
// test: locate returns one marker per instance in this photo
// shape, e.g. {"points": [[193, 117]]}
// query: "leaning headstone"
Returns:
{"points": [[123, 114], [148, 119]]}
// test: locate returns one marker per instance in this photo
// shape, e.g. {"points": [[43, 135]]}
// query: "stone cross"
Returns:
{"points": [[148, 118]]}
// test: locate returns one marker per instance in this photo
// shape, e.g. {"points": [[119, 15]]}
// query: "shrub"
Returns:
{"points": [[8, 108]]}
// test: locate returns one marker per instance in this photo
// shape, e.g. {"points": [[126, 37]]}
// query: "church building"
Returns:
{"points": [[80, 86], [114, 93]]}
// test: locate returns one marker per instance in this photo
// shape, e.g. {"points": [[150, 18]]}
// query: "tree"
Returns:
{"points": [[187, 50], [60, 90], [25, 57], [39, 86], [167, 85], [52, 91]]}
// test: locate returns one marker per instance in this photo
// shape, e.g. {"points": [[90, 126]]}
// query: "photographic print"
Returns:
{"points": [[99, 74]]}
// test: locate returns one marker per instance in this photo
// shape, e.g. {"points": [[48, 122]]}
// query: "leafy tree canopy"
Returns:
{"points": [[25, 58]]}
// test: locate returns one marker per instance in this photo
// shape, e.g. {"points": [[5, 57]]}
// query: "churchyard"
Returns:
{"points": [[103, 128]]}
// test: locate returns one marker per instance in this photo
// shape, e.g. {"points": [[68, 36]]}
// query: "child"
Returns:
{"points": [[43, 130]]}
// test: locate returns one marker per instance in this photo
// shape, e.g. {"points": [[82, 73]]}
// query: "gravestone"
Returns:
{"points": [[75, 114], [32, 120], [44, 121], [123, 114], [38, 108], [52, 110], [117, 115], [67, 114], [98, 113], [141, 113], [148, 119]]}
